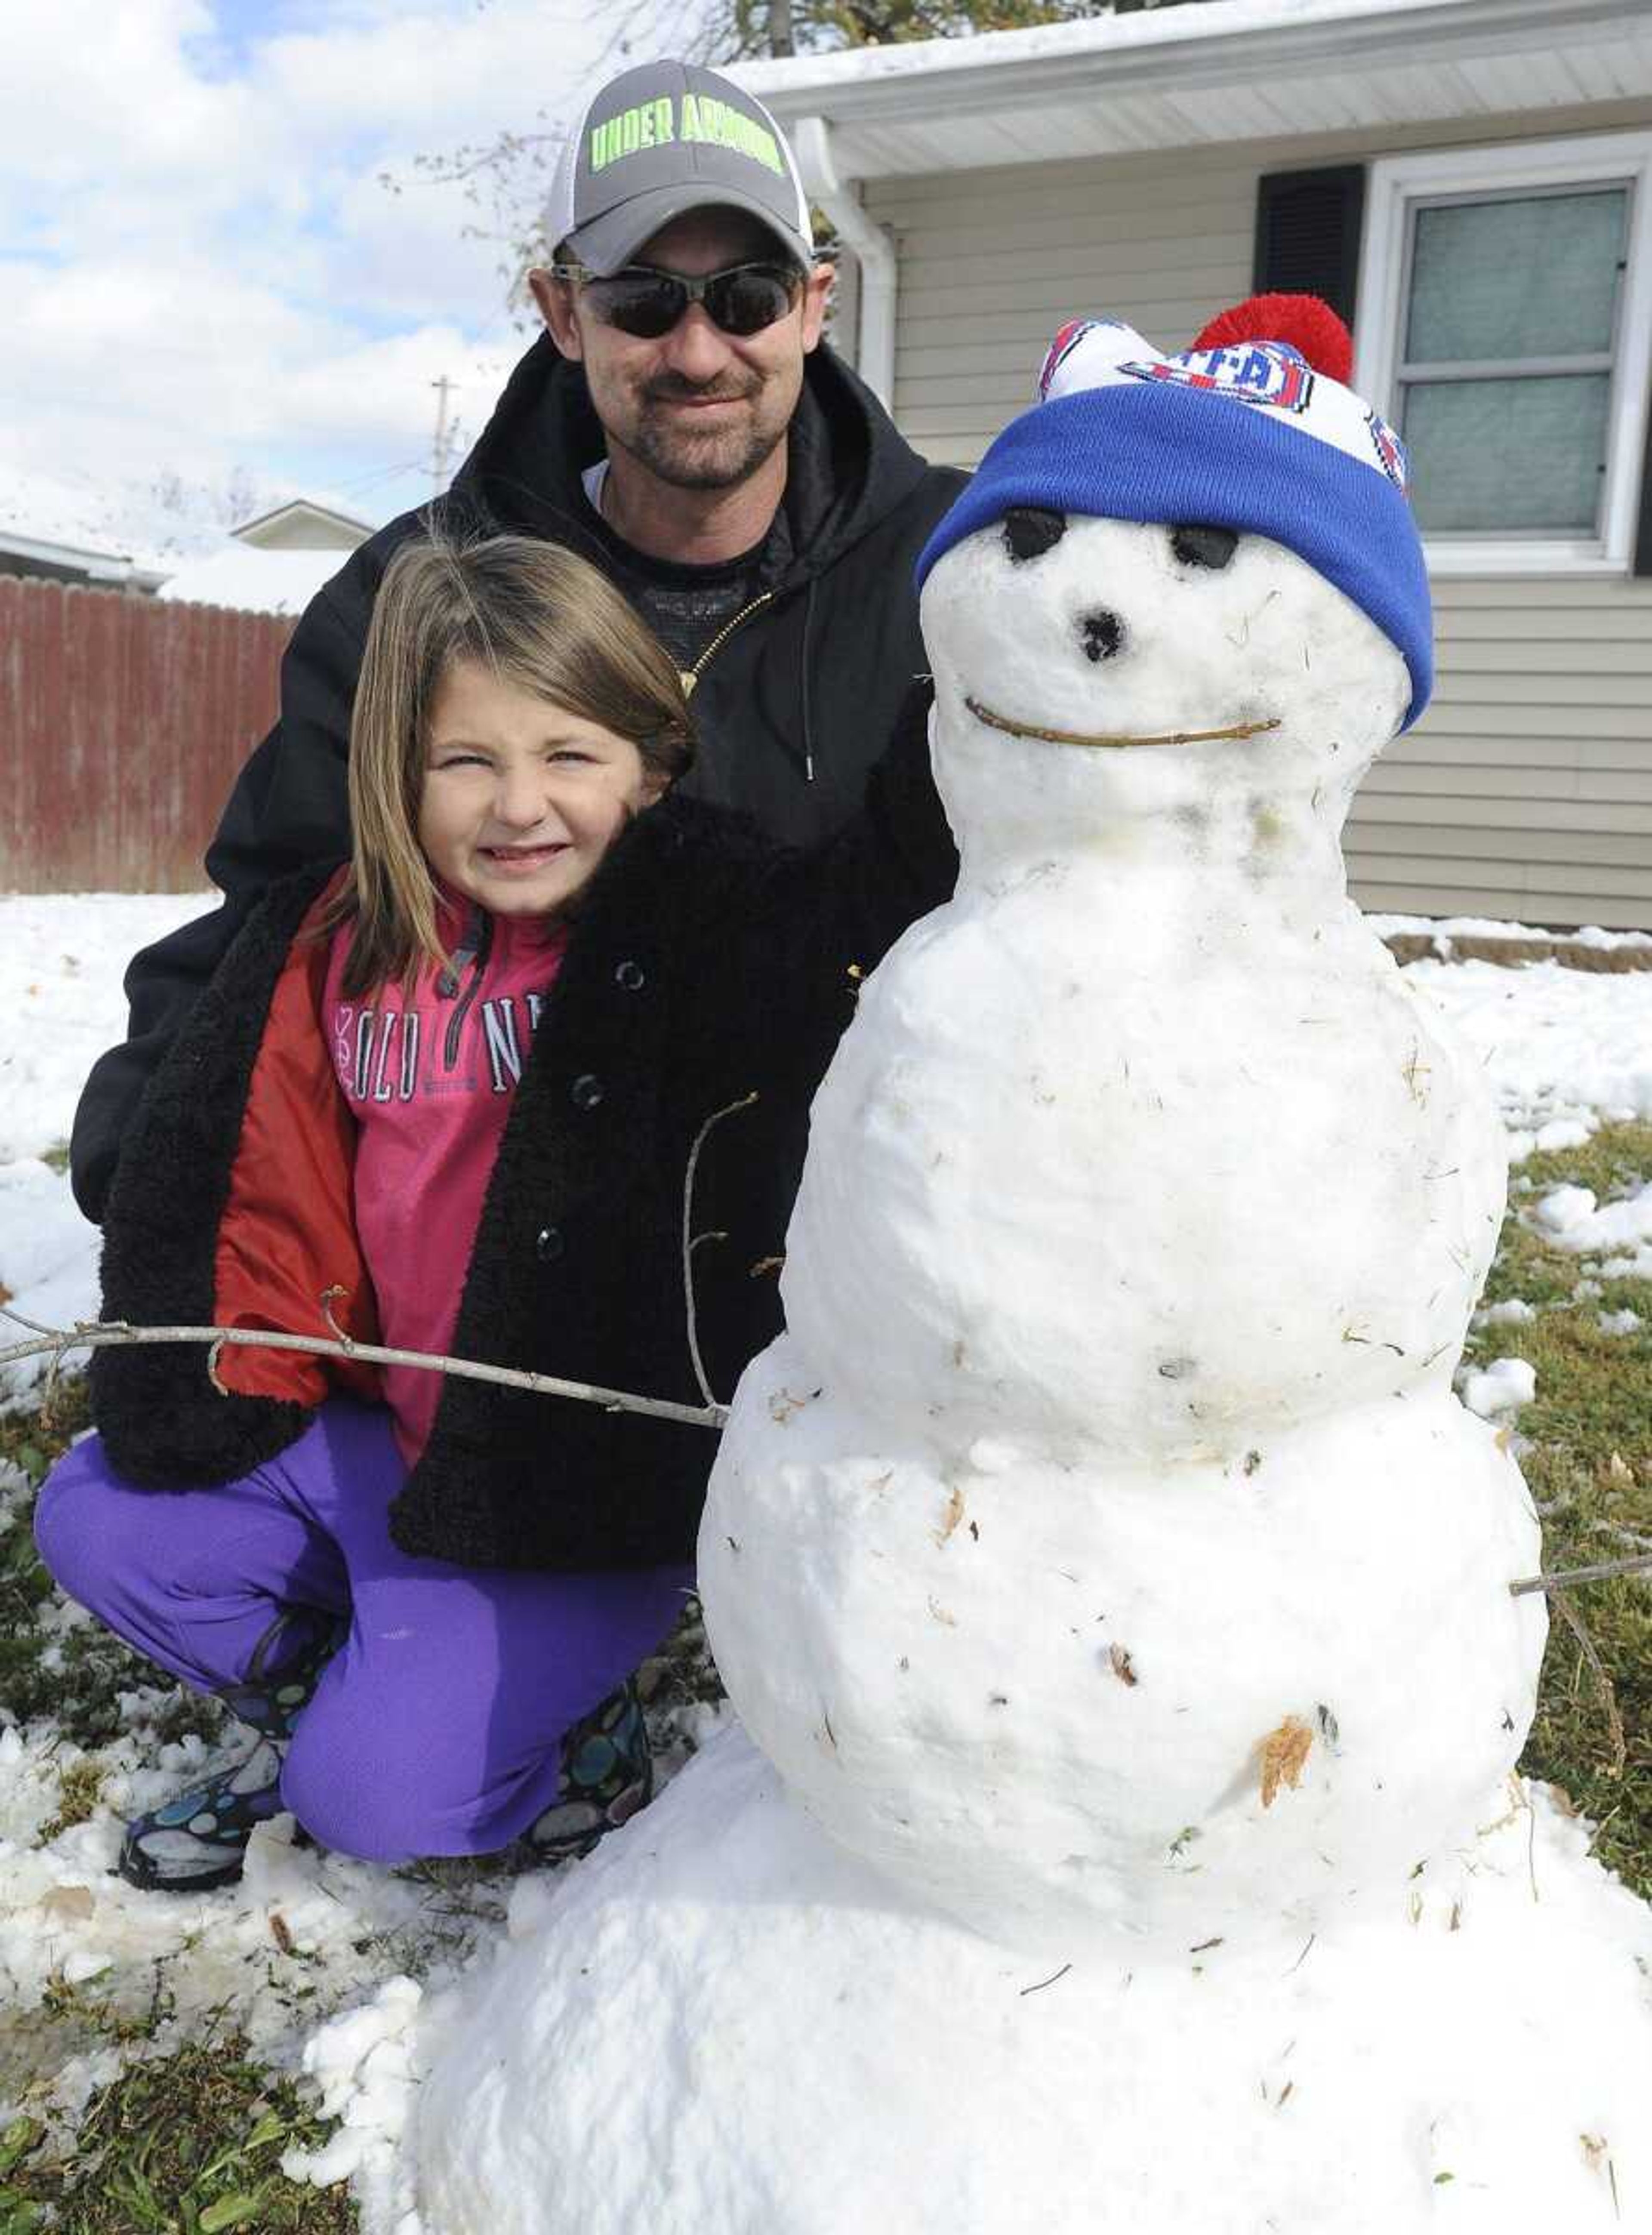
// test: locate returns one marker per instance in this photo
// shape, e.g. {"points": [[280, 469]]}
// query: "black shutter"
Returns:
{"points": [[1644, 531], [1307, 234]]}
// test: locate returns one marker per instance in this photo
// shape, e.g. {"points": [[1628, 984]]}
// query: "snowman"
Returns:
{"points": [[1113, 1593]]}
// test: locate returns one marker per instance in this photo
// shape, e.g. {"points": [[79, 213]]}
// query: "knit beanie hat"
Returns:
{"points": [[1252, 429]]}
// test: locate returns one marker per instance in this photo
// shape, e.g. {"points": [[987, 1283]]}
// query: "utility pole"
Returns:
{"points": [[439, 446]]}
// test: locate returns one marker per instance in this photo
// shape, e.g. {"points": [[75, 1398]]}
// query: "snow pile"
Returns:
{"points": [[1501, 1388], [1572, 1218], [1559, 1046], [828, 2056], [1513, 1312], [1445, 930]]}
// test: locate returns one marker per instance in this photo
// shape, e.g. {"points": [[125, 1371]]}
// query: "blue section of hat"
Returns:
{"points": [[1158, 452]]}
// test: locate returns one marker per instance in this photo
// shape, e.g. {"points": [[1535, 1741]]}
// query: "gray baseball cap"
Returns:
{"points": [[663, 139]]}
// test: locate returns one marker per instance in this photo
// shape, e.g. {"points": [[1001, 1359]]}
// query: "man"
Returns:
{"points": [[681, 424]]}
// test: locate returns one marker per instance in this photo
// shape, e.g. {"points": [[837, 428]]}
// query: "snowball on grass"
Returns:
{"points": [[1513, 1312], [1624, 1322], [1504, 1386], [1565, 1211], [1564, 1133], [1577, 1220], [1573, 1219]]}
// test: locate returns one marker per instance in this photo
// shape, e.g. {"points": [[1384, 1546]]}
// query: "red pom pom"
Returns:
{"points": [[1303, 321]]}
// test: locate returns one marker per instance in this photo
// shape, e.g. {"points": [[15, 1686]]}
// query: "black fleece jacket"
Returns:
{"points": [[707, 966], [794, 708]]}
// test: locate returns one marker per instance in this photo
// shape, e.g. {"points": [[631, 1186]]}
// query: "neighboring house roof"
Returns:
{"points": [[251, 581], [73, 562], [302, 524], [1215, 73]]}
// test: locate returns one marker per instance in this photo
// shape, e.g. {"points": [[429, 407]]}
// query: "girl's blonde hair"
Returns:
{"points": [[542, 619]]}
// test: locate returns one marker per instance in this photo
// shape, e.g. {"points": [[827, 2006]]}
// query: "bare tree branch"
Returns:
{"points": [[107, 1335], [1563, 1577]]}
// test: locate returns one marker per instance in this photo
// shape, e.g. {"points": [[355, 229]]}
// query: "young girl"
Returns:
{"points": [[445, 1097]]}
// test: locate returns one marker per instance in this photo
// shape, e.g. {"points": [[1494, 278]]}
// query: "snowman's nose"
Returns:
{"points": [[1101, 633]]}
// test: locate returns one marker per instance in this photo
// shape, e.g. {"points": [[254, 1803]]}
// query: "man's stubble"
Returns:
{"points": [[687, 458]]}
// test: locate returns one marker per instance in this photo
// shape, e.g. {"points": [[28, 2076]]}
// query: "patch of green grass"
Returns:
{"points": [[32, 1439], [57, 1156], [1589, 1468], [1613, 1161], [188, 2144], [79, 1685], [79, 1787]]}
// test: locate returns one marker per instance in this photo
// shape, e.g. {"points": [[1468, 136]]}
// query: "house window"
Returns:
{"points": [[1506, 331]]}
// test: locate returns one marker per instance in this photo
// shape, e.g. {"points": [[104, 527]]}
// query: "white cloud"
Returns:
{"points": [[199, 268]]}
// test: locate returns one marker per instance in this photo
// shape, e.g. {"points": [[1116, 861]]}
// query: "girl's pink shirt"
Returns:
{"points": [[430, 1082]]}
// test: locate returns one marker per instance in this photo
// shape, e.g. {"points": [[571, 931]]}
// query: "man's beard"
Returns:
{"points": [[676, 452]]}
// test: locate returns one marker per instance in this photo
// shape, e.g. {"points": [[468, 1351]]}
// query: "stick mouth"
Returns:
{"points": [[995, 721]]}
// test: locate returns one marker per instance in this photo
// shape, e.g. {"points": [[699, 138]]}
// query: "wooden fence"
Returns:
{"points": [[123, 721]]}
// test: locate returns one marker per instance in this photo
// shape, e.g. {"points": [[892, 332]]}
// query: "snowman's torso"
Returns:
{"points": [[1084, 1179]]}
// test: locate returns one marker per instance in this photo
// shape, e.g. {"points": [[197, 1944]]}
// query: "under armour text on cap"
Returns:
{"points": [[663, 139]]}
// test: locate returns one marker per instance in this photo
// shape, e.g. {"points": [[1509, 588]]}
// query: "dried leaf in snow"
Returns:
{"points": [[68, 1902], [1284, 1752]]}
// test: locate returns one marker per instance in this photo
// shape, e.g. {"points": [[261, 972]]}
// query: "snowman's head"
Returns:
{"points": [[1179, 585]]}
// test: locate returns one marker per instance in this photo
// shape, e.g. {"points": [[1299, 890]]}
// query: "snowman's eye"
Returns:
{"points": [[1030, 531], [1203, 546]]}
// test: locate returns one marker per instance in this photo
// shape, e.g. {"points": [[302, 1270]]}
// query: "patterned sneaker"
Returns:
{"points": [[607, 1775], [199, 1841]]}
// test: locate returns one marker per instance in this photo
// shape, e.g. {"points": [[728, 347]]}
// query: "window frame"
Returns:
{"points": [[1396, 185]]}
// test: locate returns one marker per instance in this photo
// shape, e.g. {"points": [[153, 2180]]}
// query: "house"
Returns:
{"points": [[274, 564], [1470, 182], [91, 567], [303, 526]]}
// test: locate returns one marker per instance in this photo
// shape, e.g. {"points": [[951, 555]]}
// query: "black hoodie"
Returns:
{"points": [[795, 703]]}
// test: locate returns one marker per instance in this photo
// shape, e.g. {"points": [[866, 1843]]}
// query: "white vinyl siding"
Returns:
{"points": [[1526, 791]]}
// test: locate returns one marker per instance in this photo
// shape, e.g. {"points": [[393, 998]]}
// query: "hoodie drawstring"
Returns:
{"points": [[808, 740]]}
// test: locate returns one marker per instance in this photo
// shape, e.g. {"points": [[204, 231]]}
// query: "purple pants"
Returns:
{"points": [[437, 1728]]}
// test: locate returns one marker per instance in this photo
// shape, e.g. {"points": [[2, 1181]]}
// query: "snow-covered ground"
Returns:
{"points": [[63, 957], [307, 1934]]}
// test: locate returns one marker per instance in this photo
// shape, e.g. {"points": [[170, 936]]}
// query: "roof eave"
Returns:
{"points": [[1189, 50]]}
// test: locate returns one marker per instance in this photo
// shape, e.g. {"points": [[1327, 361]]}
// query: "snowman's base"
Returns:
{"points": [[725, 2027]]}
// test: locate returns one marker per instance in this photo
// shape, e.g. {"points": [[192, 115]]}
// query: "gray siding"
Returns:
{"points": [[1526, 790]]}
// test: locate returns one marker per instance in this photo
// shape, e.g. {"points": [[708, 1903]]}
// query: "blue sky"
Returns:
{"points": [[201, 274]]}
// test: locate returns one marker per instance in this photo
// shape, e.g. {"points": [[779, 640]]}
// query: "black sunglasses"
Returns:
{"points": [[646, 304]]}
